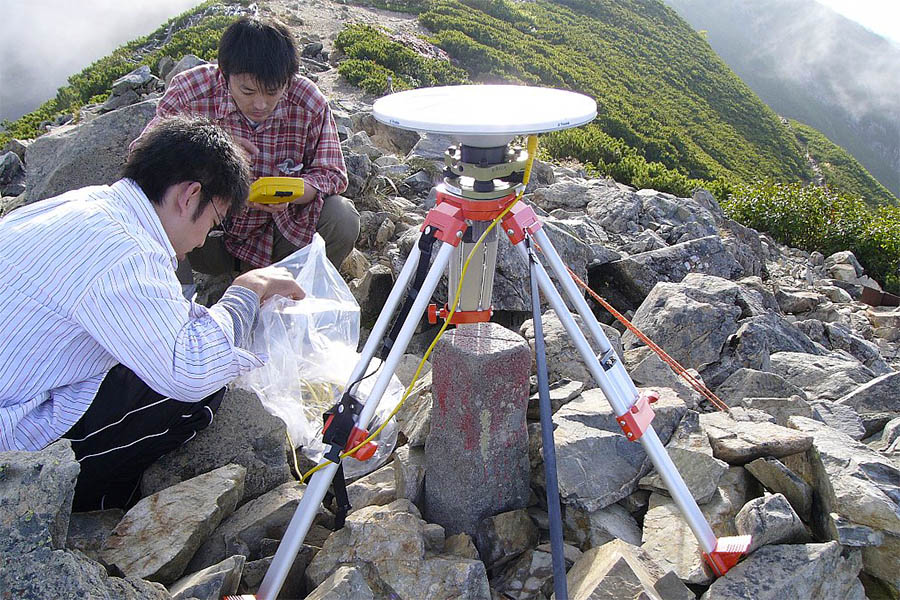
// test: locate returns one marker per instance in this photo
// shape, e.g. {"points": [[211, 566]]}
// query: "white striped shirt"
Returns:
{"points": [[87, 280]]}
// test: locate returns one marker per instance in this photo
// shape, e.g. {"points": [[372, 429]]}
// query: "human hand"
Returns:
{"points": [[270, 281], [248, 146]]}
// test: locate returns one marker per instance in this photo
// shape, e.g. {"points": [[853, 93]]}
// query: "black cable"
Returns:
{"points": [[560, 588]]}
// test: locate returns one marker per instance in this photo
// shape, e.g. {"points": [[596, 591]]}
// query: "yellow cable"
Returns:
{"points": [[532, 150]]}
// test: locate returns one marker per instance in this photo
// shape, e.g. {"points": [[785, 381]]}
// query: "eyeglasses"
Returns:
{"points": [[220, 231]]}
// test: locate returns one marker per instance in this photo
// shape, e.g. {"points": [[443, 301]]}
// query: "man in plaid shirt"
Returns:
{"points": [[285, 124]]}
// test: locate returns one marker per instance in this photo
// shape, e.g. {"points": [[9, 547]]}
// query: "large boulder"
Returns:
{"points": [[821, 377], [90, 153]]}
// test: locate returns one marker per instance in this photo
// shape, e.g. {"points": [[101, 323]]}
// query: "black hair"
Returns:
{"points": [[263, 49], [182, 149]]}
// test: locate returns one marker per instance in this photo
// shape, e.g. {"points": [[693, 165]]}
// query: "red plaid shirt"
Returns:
{"points": [[299, 132]]}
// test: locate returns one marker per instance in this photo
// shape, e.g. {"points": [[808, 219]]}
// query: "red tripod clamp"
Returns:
{"points": [[356, 436], [637, 419], [460, 316]]}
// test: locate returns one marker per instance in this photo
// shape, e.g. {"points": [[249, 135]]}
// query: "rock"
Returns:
{"points": [[563, 359], [821, 377], [430, 146], [561, 393], [11, 170], [71, 576], [692, 455], [188, 61], [502, 538], [840, 417], [376, 488], [739, 442], [345, 582], [770, 520], [810, 571], [242, 433], [146, 545], [878, 395], [164, 66], [780, 408], [778, 479], [636, 275], [859, 485], [586, 428], [525, 578], [750, 383], [90, 153], [294, 583], [360, 143], [138, 80], [797, 302], [387, 545], [567, 193], [647, 369], [359, 168], [371, 292], [461, 545], [668, 538], [355, 265], [844, 257], [847, 533], [592, 529], [476, 453], [213, 582], [88, 530], [116, 102], [620, 571], [17, 147], [267, 516], [36, 491], [409, 473]]}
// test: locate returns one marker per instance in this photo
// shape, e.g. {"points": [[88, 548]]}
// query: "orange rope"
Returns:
{"points": [[673, 364]]}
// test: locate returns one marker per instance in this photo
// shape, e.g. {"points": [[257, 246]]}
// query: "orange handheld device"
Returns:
{"points": [[275, 190]]}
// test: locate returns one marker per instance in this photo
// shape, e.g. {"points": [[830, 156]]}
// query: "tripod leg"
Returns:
{"points": [[321, 480], [614, 381]]}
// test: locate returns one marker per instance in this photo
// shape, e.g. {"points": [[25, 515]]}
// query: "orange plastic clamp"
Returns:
{"points": [[357, 436], [637, 419], [519, 221], [476, 210], [448, 221], [728, 552], [460, 316]]}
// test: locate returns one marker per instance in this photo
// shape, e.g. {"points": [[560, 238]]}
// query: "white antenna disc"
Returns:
{"points": [[485, 116]]}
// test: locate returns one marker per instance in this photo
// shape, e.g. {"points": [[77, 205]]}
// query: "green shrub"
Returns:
{"points": [[814, 218]]}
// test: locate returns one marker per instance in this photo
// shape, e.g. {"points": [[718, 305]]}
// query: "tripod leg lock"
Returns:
{"points": [[340, 430], [728, 552], [637, 419]]}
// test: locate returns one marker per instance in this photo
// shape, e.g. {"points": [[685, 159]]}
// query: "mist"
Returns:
{"points": [[49, 40]]}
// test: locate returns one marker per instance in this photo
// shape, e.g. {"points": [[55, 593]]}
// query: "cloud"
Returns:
{"points": [[49, 40]]}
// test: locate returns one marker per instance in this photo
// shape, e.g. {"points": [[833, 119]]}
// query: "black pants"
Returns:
{"points": [[127, 427]]}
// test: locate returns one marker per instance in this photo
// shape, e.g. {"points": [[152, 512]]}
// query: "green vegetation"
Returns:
{"points": [[93, 83], [814, 218], [373, 57], [842, 172]]}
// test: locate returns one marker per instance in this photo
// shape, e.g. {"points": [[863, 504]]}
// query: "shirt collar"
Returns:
{"points": [[134, 197]]}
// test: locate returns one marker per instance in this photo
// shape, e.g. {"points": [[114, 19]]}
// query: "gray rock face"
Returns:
{"points": [[780, 480], [840, 417], [213, 582], [670, 541], [242, 433], [376, 488], [88, 530], [620, 571], [835, 336], [346, 582], [145, 543], [692, 455], [859, 485], [593, 529], [770, 520], [585, 429], [780, 408], [821, 377], [881, 394], [188, 61], [71, 576], [409, 474], [739, 442], [387, 544], [811, 571], [638, 274], [90, 153], [476, 455], [504, 537], [563, 359], [36, 490]]}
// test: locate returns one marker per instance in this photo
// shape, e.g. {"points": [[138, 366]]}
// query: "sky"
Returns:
{"points": [[46, 41], [880, 16]]}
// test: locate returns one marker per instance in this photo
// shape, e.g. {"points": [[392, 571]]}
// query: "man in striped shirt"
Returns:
{"points": [[285, 124], [97, 344]]}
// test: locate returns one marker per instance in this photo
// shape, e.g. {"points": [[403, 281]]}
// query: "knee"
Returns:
{"points": [[339, 221]]}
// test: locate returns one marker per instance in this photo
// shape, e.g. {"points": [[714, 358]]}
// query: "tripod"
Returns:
{"points": [[465, 207]]}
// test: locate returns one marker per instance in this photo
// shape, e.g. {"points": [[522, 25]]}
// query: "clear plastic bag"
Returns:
{"points": [[311, 349]]}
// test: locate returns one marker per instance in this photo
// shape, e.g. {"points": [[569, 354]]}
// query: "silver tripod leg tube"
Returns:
{"points": [[613, 382], [321, 480]]}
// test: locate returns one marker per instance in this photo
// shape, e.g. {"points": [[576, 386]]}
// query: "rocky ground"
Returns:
{"points": [[807, 460]]}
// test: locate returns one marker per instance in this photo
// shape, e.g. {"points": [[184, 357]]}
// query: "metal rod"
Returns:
{"points": [[321, 480]]}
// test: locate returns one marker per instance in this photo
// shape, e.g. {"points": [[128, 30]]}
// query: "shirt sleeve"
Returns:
{"points": [[180, 349], [325, 168]]}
